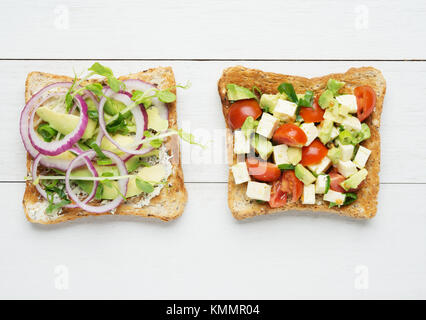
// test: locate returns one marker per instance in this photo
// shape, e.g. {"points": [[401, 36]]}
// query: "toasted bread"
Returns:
{"points": [[366, 204], [170, 202]]}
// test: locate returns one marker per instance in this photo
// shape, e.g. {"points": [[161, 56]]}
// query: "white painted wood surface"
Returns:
{"points": [[206, 253]]}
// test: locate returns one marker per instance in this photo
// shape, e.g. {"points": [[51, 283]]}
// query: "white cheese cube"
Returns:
{"points": [[258, 191], [347, 151], [241, 143], [346, 168], [280, 154], [320, 167], [267, 125], [351, 123], [285, 110], [361, 157], [308, 196], [311, 132], [336, 197], [334, 133], [321, 183], [240, 173], [349, 101]]}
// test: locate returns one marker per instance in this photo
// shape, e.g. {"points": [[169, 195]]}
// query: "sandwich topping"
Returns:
{"points": [[294, 147], [95, 145]]}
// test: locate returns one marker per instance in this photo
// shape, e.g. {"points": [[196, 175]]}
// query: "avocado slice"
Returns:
{"points": [[268, 102], [354, 180], [262, 145], [155, 121], [325, 131], [65, 123], [304, 174], [122, 140], [236, 92], [334, 86], [335, 154], [326, 99], [294, 155], [112, 107]]}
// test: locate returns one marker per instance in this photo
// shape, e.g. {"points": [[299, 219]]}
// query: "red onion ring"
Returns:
{"points": [[90, 166], [59, 146], [122, 182]]}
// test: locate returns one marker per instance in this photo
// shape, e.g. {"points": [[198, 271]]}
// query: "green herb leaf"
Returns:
{"points": [[99, 191], [55, 206], [144, 185], [333, 204], [98, 151], [115, 84], [307, 100], [190, 138], [46, 132], [96, 88], [93, 114], [166, 96], [349, 198], [327, 184], [68, 101], [286, 166], [118, 125], [288, 89]]}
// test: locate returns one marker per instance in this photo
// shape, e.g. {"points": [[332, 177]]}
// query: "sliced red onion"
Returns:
{"points": [[139, 116], [59, 146], [90, 166], [122, 183]]}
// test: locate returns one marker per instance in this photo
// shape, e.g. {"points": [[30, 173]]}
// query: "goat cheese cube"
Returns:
{"points": [[267, 125], [320, 167], [334, 133], [351, 123], [258, 191], [308, 196], [321, 183], [349, 101], [280, 154], [285, 110], [347, 151], [240, 173], [346, 168], [311, 132], [241, 142], [361, 157], [336, 197]]}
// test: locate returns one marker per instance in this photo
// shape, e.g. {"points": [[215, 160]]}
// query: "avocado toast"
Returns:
{"points": [[319, 155], [164, 198]]}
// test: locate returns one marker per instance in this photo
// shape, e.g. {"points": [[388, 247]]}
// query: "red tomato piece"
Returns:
{"points": [[240, 110], [278, 197], [314, 114], [313, 153], [290, 134], [335, 180], [365, 100], [262, 170], [291, 185]]}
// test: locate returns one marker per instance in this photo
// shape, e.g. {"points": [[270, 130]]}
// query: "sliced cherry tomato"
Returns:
{"points": [[313, 153], [290, 184], [290, 134], [278, 197], [365, 100], [335, 180], [262, 170], [240, 110], [314, 114]]}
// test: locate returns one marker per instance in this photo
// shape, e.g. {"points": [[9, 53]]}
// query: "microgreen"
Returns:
{"points": [[145, 186]]}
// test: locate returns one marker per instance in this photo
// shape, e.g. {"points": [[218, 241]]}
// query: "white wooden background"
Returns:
{"points": [[206, 253]]}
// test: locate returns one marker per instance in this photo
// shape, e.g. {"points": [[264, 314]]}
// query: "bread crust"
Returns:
{"points": [[366, 205], [169, 204]]}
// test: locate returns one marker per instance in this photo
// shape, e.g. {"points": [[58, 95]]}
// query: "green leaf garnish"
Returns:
{"points": [[166, 96], [118, 125], [93, 114], [144, 185], [288, 89], [115, 84], [349, 198], [46, 132], [96, 88], [286, 166], [190, 138], [307, 99], [55, 206]]}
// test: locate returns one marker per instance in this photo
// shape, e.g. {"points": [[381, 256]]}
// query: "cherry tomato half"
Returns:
{"points": [[313, 153], [290, 134], [290, 184], [278, 197], [366, 101], [262, 170], [335, 180], [314, 114], [240, 110]]}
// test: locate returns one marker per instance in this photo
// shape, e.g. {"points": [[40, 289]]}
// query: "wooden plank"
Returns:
{"points": [[199, 110], [225, 29], [206, 254]]}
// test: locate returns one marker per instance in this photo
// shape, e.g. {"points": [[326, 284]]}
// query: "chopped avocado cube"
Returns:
{"points": [[112, 107], [362, 135], [65, 123], [326, 99], [334, 86], [294, 155], [354, 180], [304, 174], [155, 121], [124, 141], [325, 131], [345, 137], [268, 102], [262, 145], [236, 92], [335, 154]]}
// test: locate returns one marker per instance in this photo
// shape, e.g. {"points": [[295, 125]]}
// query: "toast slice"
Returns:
{"points": [[366, 205], [170, 202]]}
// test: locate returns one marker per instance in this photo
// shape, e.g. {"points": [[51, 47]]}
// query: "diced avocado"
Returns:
{"points": [[326, 99], [112, 107], [268, 101], [334, 86], [135, 162], [155, 121], [335, 154], [124, 141], [65, 123], [345, 137], [262, 145], [354, 180], [236, 92], [325, 131], [362, 135], [294, 155], [304, 174]]}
